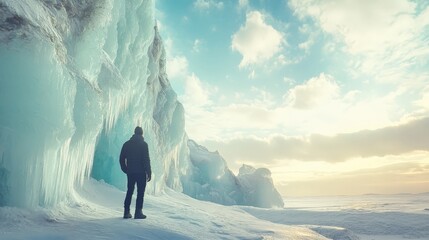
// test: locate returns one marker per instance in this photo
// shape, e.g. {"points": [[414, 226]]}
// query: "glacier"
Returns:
{"points": [[76, 77]]}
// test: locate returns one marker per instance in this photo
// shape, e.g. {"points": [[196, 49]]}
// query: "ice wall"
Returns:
{"points": [[162, 118], [69, 69]]}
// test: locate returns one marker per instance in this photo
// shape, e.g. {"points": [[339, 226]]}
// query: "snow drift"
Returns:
{"points": [[76, 77]]}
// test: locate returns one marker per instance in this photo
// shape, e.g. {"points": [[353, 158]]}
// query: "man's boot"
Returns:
{"points": [[139, 214], [127, 213]]}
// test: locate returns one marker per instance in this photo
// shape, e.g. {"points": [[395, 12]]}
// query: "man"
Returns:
{"points": [[135, 162]]}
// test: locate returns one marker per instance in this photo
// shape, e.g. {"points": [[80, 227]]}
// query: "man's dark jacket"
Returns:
{"points": [[136, 152]]}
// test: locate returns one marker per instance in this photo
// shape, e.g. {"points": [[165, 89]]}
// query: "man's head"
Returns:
{"points": [[138, 131]]}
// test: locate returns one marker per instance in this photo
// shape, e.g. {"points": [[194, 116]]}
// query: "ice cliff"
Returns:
{"points": [[76, 77]]}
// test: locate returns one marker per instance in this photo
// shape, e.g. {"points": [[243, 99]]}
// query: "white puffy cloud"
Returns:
{"points": [[314, 92], [387, 39], [177, 67], [207, 4], [364, 25], [195, 93], [256, 41]]}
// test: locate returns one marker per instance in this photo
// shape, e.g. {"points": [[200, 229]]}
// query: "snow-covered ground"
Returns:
{"points": [[385, 217], [97, 214]]}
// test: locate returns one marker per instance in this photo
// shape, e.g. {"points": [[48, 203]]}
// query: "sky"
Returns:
{"points": [[331, 96]]}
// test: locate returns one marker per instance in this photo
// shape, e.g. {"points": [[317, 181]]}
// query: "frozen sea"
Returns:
{"points": [[95, 212], [372, 216]]}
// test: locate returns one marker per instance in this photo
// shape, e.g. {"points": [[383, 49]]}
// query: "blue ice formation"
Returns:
{"points": [[76, 77], [210, 179]]}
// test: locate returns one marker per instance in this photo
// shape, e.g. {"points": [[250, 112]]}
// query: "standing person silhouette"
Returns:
{"points": [[135, 162]]}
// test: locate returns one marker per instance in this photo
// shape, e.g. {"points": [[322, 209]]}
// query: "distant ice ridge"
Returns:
{"points": [[210, 179], [76, 77]]}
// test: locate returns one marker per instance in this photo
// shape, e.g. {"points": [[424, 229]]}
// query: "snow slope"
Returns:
{"points": [[97, 212]]}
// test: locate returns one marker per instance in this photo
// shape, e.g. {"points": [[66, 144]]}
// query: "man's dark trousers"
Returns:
{"points": [[140, 179]]}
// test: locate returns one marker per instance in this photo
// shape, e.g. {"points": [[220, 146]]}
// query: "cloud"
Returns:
{"points": [[207, 4], [289, 81], [252, 75], [256, 41], [307, 29], [177, 64], [359, 23], [423, 102], [386, 39], [314, 92], [177, 67], [394, 140], [196, 46], [405, 177], [243, 116], [243, 3], [281, 60], [195, 93], [306, 45], [219, 118], [327, 112], [197, 100]]}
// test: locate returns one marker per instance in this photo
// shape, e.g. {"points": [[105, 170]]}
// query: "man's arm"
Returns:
{"points": [[147, 165], [122, 160]]}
